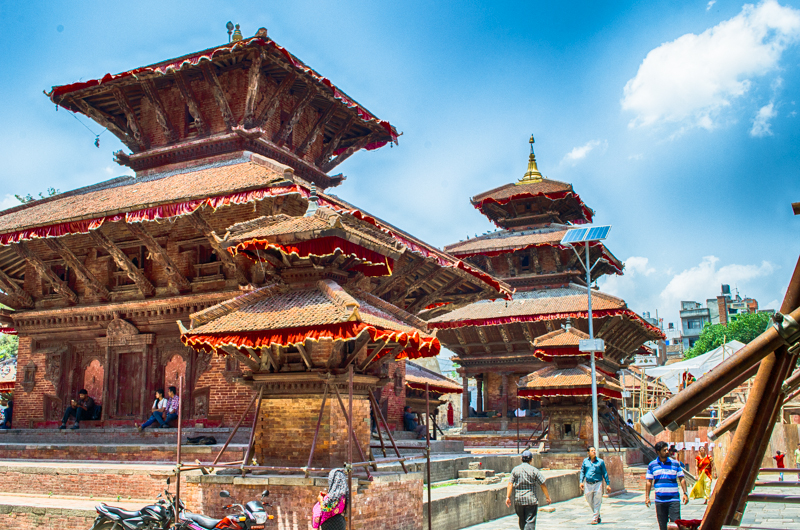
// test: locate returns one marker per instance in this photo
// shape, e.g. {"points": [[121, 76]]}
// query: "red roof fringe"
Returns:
{"points": [[207, 55], [566, 351], [550, 316], [552, 196], [434, 388], [568, 392]]}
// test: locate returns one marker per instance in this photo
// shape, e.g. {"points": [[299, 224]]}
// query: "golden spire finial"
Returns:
{"points": [[532, 175], [237, 34]]}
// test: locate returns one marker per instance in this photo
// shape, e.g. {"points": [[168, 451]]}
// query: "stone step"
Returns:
{"points": [[475, 473], [399, 435], [124, 435], [418, 446], [153, 452]]}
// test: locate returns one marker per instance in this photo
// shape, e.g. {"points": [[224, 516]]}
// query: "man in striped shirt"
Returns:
{"points": [[524, 479], [664, 473]]}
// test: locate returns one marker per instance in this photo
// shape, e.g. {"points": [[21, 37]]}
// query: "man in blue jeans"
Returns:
{"points": [[663, 473], [173, 404]]}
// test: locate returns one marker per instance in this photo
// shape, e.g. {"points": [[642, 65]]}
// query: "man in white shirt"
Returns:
{"points": [[159, 408]]}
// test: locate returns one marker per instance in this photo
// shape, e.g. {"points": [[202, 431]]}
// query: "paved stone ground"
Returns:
{"points": [[628, 512]]}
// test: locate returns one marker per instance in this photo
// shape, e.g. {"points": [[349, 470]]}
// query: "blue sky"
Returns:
{"points": [[676, 121]]}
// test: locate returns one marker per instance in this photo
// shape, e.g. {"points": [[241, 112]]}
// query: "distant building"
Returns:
{"points": [[717, 310]]}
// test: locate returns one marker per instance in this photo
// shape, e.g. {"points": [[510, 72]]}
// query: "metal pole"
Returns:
{"points": [[319, 423], [178, 458], [350, 448], [595, 429], [516, 413], [252, 431], [235, 428], [428, 445]]}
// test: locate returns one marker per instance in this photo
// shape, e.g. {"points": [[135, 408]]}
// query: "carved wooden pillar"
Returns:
{"points": [[106, 379], [479, 396], [465, 396], [504, 400], [486, 403]]}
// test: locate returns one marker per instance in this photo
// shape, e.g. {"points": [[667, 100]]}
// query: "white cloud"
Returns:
{"points": [[761, 126], [9, 201], [775, 304], [628, 286], [637, 156], [705, 278], [691, 79], [710, 5], [580, 152], [638, 266]]}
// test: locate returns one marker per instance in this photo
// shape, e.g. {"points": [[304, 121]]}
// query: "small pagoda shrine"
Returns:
{"points": [[301, 335], [498, 342], [564, 387]]}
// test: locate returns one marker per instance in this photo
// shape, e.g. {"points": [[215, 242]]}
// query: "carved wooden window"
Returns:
{"points": [[191, 124], [525, 263], [138, 256], [206, 265], [61, 270]]}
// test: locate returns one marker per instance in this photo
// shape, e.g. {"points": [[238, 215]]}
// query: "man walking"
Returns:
{"points": [[664, 473], [797, 459], [593, 473], [524, 479]]}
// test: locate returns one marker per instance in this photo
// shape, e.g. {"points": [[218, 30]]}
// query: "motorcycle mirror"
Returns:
{"points": [[224, 494], [167, 481], [265, 493], [159, 496]]}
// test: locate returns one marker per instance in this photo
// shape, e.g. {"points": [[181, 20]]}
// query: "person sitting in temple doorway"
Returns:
{"points": [[158, 411], [779, 462], [593, 474], [81, 409], [410, 423], [173, 405], [7, 406]]}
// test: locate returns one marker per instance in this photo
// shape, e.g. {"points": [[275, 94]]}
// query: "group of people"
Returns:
{"points": [[164, 410], [665, 477]]}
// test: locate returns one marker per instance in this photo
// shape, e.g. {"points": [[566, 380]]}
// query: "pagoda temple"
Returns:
{"points": [[534, 336], [228, 145]]}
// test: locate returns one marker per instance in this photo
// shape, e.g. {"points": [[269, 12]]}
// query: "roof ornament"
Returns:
{"points": [[229, 27], [237, 34], [568, 324], [313, 202], [532, 175]]}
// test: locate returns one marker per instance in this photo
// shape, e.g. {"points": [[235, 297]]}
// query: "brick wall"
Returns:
{"points": [[15, 517], [395, 401], [390, 501], [29, 405], [285, 431]]}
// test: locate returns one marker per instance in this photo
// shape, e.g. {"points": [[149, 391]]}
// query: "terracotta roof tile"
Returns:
{"points": [[419, 375], [530, 303], [555, 377], [272, 308], [506, 240], [127, 194], [560, 337], [509, 190]]}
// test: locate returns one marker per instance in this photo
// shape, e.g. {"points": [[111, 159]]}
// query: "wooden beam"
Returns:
{"points": [[506, 334], [59, 285], [244, 359], [374, 353], [482, 335], [389, 357], [201, 225], [286, 127], [557, 259], [8, 300], [191, 103], [423, 301], [305, 355], [130, 115], [356, 146], [157, 252], [512, 267], [398, 276], [360, 344], [151, 94], [272, 105], [107, 121], [254, 81], [124, 263], [265, 357], [316, 129], [462, 340], [219, 94], [334, 142], [15, 291], [419, 282], [75, 264]]}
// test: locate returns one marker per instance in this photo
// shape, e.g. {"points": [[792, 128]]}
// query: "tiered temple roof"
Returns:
{"points": [[554, 381], [417, 376]]}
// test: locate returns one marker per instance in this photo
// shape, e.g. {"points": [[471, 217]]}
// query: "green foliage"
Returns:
{"points": [[30, 198], [744, 328], [8, 346]]}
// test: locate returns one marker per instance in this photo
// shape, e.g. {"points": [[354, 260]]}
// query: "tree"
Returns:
{"points": [[8, 346], [30, 198], [744, 328]]}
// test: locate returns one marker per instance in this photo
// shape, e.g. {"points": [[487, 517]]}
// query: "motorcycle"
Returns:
{"points": [[158, 516], [251, 516]]}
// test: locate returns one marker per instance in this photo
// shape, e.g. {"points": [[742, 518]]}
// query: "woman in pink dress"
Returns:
{"points": [[327, 513]]}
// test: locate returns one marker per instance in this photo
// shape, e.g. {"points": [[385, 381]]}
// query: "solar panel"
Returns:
{"points": [[579, 235], [597, 233], [575, 235]]}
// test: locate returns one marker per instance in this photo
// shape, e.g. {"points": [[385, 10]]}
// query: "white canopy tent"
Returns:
{"points": [[671, 374]]}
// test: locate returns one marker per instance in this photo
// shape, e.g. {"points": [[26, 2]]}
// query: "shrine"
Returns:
{"points": [[526, 347], [226, 142]]}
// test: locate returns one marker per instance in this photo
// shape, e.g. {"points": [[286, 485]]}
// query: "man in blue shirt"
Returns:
{"points": [[593, 473], [410, 423], [664, 473]]}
